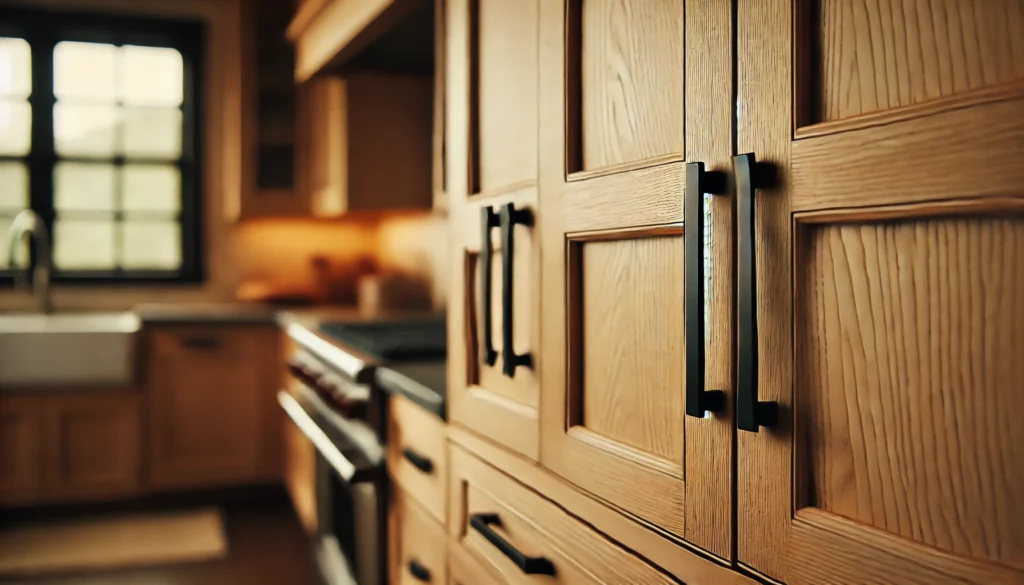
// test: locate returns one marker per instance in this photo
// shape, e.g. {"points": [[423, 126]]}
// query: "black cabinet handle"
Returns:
{"points": [[698, 182], [509, 216], [200, 342], [420, 462], [488, 221], [529, 565], [418, 571], [750, 412]]}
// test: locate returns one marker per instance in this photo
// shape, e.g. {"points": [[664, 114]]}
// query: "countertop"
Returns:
{"points": [[424, 383]]}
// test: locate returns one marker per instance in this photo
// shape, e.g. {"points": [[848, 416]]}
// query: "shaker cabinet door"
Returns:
{"points": [[635, 123], [881, 291], [491, 156]]}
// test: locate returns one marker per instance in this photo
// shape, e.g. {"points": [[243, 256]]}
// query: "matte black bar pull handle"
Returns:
{"points": [[418, 461], [698, 182], [488, 221], [418, 571], [750, 412], [509, 217], [529, 565]]}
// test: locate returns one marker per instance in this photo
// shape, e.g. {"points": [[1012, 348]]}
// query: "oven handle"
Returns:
{"points": [[345, 468]]}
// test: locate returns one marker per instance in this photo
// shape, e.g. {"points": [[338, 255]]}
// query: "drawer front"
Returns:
{"points": [[527, 539], [417, 455], [465, 569], [211, 339], [418, 546]]}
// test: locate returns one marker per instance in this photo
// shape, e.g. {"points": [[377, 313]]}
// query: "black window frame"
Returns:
{"points": [[43, 29]]}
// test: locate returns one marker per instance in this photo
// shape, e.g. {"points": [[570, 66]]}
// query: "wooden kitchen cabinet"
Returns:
{"points": [[22, 424], [491, 69], [366, 143], [635, 113], [213, 416], [417, 543], [887, 262]]}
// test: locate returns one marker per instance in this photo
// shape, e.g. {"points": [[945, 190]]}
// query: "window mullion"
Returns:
{"points": [[41, 156]]}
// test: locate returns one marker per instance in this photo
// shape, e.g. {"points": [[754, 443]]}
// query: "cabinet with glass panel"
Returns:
{"points": [[98, 137]]}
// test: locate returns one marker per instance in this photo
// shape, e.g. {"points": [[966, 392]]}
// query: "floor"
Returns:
{"points": [[267, 547]]}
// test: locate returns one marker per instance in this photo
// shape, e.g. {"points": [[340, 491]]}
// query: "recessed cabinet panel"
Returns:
{"points": [[629, 61], [907, 337]]}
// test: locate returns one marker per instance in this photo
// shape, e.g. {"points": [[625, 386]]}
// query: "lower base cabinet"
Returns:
{"points": [[417, 544], [59, 447]]}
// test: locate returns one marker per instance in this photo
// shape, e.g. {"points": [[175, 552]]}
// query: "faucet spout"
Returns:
{"points": [[28, 223]]}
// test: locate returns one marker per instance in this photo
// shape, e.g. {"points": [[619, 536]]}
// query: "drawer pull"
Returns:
{"points": [[751, 413], [418, 571], [418, 461], [698, 182], [508, 217], [200, 342], [528, 565]]}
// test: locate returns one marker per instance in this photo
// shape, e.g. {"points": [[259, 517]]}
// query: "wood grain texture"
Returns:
{"points": [[900, 163], [709, 118], [465, 569], [415, 536], [764, 91], [506, 92], [536, 527], [411, 427], [910, 337], [21, 449], [674, 556], [631, 341], [631, 75], [94, 446], [877, 55]]}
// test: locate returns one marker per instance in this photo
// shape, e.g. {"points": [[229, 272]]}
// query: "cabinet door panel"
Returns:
{"points": [[21, 445], [888, 308], [615, 136], [491, 76]]}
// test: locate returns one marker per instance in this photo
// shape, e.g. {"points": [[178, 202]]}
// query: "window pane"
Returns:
{"points": [[152, 132], [151, 76], [13, 188], [79, 245], [84, 130], [84, 71], [15, 127], [15, 68], [83, 186], [151, 244], [151, 188]]}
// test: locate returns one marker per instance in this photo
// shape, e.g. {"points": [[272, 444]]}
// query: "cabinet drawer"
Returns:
{"points": [[417, 455], [465, 569], [418, 545], [525, 538], [210, 339]]}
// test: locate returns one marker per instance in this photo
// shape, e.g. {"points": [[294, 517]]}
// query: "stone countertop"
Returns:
{"points": [[424, 383]]}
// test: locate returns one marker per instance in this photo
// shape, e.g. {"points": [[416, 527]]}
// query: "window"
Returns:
{"points": [[99, 136]]}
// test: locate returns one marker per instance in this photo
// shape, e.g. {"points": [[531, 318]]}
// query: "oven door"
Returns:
{"points": [[349, 541]]}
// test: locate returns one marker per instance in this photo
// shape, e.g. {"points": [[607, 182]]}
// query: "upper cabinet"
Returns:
{"points": [[491, 176], [636, 230], [881, 298]]}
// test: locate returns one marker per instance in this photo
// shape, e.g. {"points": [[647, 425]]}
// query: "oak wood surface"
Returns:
{"points": [[212, 411], [911, 436], [877, 55], [22, 428], [631, 69], [94, 446], [465, 569], [415, 536], [410, 427], [610, 205], [676, 557], [537, 528], [480, 396], [622, 279]]}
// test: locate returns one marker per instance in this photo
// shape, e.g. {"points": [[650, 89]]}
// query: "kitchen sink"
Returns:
{"points": [[67, 350]]}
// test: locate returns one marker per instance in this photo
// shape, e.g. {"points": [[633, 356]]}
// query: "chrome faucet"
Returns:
{"points": [[28, 222]]}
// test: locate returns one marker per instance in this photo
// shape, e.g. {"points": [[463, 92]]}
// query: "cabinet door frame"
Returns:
{"points": [[689, 497], [480, 396], [934, 160]]}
